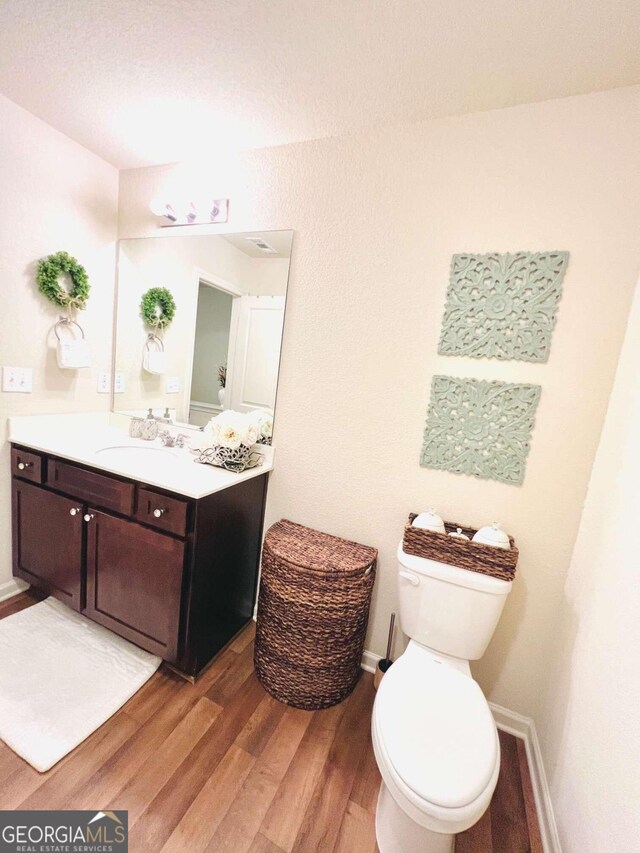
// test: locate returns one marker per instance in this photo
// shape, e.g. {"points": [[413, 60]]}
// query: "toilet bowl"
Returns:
{"points": [[438, 752], [434, 737]]}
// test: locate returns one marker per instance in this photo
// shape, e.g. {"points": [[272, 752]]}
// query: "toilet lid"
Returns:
{"points": [[437, 731]]}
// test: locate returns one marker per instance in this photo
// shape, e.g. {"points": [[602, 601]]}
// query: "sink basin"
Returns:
{"points": [[129, 454]]}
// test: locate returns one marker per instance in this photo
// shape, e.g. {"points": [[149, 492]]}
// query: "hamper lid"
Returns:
{"points": [[316, 551]]}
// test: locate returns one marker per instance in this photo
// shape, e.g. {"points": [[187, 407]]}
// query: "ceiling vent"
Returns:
{"points": [[260, 244]]}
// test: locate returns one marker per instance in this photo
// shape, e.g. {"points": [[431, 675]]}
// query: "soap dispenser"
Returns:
{"points": [[149, 427]]}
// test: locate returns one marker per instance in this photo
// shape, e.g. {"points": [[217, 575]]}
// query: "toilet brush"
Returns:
{"points": [[385, 663]]}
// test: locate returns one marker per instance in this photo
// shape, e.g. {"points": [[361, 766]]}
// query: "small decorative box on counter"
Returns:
{"points": [[473, 556]]}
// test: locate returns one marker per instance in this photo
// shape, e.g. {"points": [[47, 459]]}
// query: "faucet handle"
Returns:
{"points": [[166, 438], [182, 440]]}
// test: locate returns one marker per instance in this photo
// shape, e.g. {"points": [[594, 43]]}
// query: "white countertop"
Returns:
{"points": [[82, 437]]}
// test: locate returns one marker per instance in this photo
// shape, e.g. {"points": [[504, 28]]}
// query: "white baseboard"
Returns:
{"points": [[524, 728], [10, 588], [369, 661]]}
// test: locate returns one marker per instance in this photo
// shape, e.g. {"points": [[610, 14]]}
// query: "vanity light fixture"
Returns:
{"points": [[191, 213]]}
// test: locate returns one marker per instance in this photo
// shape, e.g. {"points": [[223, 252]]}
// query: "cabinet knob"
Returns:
{"points": [[75, 510], [88, 516], [158, 513], [23, 465]]}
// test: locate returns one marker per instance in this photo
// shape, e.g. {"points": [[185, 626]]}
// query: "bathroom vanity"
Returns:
{"points": [[132, 533], [145, 541]]}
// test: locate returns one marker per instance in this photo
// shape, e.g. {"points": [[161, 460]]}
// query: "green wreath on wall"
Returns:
{"points": [[49, 271], [158, 307]]}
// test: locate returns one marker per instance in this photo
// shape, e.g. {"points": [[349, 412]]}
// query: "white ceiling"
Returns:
{"points": [[142, 82]]}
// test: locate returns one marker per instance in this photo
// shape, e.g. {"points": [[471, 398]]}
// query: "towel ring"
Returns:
{"points": [[66, 321], [154, 339]]}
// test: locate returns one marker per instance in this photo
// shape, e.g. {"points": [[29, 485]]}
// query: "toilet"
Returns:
{"points": [[434, 736]]}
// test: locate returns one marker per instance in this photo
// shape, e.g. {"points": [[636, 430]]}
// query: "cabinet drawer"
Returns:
{"points": [[163, 512], [91, 487], [26, 465]]}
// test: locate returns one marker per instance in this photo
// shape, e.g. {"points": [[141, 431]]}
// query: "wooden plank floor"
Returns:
{"points": [[222, 767]]}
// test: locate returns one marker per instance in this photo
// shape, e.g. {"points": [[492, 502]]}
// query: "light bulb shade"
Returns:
{"points": [[162, 208], [219, 210]]}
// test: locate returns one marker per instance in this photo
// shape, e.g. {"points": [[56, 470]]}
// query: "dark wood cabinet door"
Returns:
{"points": [[134, 582], [47, 542]]}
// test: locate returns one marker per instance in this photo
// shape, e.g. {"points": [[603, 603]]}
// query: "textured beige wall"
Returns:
{"points": [[55, 195], [376, 221], [589, 717]]}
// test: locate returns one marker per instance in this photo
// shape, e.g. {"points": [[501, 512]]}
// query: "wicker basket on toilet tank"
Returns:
{"points": [[315, 591], [472, 556]]}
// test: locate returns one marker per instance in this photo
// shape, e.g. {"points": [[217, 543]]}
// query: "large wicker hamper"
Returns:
{"points": [[315, 591]]}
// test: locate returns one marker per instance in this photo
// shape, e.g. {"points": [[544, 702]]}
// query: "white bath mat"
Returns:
{"points": [[61, 677]]}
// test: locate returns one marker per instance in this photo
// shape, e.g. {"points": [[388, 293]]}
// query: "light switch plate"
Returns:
{"points": [[17, 379], [172, 385], [104, 381]]}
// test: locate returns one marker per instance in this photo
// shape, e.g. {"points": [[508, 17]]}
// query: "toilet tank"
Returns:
{"points": [[448, 609]]}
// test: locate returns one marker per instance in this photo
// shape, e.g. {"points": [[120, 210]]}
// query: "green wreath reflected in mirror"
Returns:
{"points": [[158, 307]]}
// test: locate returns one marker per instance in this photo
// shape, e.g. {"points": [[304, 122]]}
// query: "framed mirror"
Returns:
{"points": [[220, 348]]}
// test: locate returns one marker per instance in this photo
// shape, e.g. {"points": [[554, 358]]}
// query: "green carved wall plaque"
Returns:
{"points": [[480, 428], [502, 305]]}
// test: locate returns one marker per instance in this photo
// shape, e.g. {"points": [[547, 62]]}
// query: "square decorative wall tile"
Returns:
{"points": [[502, 305], [480, 428]]}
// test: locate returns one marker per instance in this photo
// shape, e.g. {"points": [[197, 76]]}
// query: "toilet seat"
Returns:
{"points": [[435, 741]]}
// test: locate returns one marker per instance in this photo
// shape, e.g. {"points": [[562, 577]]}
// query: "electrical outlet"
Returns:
{"points": [[104, 381], [17, 379], [172, 385], [118, 385]]}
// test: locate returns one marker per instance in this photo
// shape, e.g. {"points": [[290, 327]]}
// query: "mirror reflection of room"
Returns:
{"points": [[221, 348]]}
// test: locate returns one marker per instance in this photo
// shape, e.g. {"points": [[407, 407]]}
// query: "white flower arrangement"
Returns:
{"points": [[228, 440], [263, 421], [231, 429]]}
